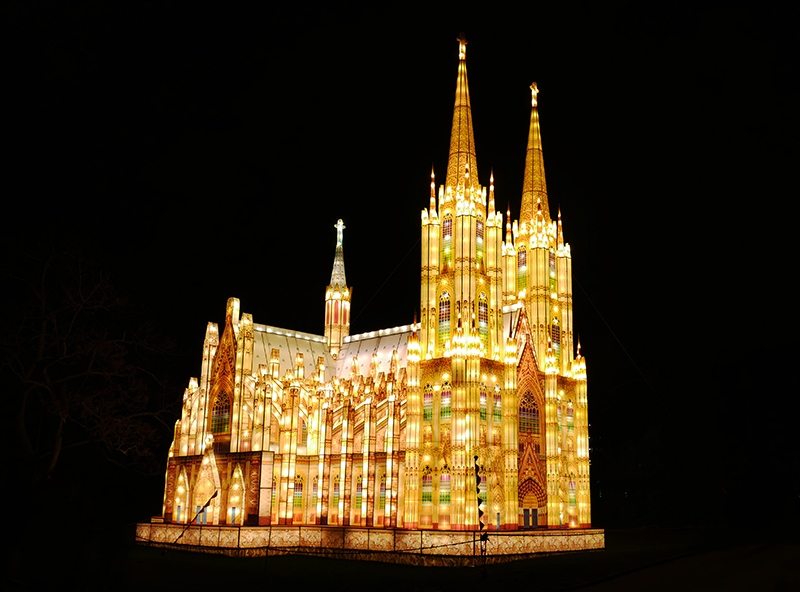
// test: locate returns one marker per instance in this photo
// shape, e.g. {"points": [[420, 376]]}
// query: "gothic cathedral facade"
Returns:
{"points": [[475, 417]]}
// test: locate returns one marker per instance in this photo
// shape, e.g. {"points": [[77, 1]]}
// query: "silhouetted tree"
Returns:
{"points": [[78, 364]]}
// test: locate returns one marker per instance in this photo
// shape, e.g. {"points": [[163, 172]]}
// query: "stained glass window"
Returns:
{"points": [[497, 412], [570, 419], [314, 491], [444, 318], [359, 492], [298, 491], [221, 414], [427, 404], [483, 394], [447, 242], [427, 489], [382, 495], [522, 269], [528, 414], [444, 402], [336, 492], [444, 489]]}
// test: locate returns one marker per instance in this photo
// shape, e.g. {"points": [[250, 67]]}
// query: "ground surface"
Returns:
{"points": [[653, 560]]}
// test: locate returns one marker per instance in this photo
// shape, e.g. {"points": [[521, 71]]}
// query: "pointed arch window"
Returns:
{"points": [[445, 401], [303, 433], [298, 491], [444, 489], [528, 414], [484, 396], [336, 492], [382, 494], [444, 318], [314, 492], [427, 404], [359, 493], [447, 242], [483, 320], [221, 414], [497, 414], [427, 487], [522, 269]]}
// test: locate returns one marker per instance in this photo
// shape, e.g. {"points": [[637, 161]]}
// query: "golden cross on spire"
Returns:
{"points": [[339, 226], [534, 92], [462, 46]]}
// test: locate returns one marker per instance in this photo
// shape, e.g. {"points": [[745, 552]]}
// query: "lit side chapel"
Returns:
{"points": [[381, 429]]}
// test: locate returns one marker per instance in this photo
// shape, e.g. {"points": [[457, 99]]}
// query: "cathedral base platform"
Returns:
{"points": [[414, 547]]}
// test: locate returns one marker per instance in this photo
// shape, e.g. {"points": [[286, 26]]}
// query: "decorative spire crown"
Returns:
{"points": [[337, 275], [462, 141], [534, 186]]}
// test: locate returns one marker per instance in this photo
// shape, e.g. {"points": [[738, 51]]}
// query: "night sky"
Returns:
{"points": [[201, 153]]}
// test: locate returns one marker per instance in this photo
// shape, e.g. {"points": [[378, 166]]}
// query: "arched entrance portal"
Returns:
{"points": [[532, 504]]}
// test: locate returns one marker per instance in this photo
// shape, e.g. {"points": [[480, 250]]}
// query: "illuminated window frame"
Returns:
{"points": [[298, 492], [522, 269], [483, 320], [221, 414], [447, 242], [445, 402], [444, 318], [427, 404]]}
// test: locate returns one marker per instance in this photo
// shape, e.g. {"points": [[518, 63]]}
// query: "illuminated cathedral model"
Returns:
{"points": [[383, 429]]}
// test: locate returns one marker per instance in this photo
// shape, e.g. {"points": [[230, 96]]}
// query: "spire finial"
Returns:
{"points": [[339, 226], [462, 46], [534, 92]]}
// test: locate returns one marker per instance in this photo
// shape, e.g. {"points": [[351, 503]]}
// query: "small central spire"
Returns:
{"points": [[337, 275]]}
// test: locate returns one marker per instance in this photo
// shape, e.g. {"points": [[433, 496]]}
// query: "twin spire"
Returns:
{"points": [[462, 159], [534, 187], [462, 140]]}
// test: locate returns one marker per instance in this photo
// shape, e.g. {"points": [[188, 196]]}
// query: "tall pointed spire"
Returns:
{"points": [[462, 141], [337, 275], [534, 186]]}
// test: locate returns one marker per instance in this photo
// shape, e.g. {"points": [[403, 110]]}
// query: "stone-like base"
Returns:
{"points": [[417, 547]]}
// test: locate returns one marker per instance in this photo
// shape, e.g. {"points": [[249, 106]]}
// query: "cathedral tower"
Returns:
{"points": [[458, 413]]}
